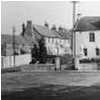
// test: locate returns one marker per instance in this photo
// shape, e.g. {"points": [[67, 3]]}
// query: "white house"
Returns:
{"points": [[54, 42], [88, 38]]}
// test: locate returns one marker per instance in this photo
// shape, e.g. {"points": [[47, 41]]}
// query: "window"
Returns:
{"points": [[85, 51], [92, 37], [97, 51]]}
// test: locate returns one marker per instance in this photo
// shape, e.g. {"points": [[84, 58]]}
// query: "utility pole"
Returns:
{"points": [[13, 30], [74, 34]]}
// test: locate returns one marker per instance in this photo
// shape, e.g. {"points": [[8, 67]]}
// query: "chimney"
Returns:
{"points": [[29, 24], [46, 24], [29, 28], [60, 29], [53, 28]]}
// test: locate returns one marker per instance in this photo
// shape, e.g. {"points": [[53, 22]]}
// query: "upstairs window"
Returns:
{"points": [[85, 51], [97, 51], [92, 37]]}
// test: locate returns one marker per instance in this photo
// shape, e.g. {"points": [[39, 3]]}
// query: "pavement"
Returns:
{"points": [[70, 85]]}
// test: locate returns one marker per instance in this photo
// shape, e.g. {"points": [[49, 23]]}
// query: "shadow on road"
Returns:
{"points": [[54, 92]]}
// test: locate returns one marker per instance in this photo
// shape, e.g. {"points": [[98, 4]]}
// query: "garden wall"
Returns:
{"points": [[8, 61]]}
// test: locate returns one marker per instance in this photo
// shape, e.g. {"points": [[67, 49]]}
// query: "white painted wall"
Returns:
{"points": [[7, 61], [82, 41], [56, 46]]}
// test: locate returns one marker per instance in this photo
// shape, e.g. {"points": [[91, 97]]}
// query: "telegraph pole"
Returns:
{"points": [[74, 20], [74, 34], [13, 30]]}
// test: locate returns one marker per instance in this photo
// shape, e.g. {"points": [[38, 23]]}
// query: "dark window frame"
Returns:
{"points": [[85, 51], [97, 51], [92, 37]]}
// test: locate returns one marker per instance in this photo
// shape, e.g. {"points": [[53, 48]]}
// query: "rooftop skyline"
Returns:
{"points": [[14, 13]]}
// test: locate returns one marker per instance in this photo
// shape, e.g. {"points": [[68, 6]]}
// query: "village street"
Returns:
{"points": [[50, 50], [70, 85]]}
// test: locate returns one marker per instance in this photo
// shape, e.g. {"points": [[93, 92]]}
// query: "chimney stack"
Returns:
{"points": [[29, 28], [29, 24], [60, 29], [53, 28], [46, 24]]}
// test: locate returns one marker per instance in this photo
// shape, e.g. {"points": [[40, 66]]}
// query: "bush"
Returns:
{"points": [[92, 60], [33, 61], [85, 61], [97, 60]]}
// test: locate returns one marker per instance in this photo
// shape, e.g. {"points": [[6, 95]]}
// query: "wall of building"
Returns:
{"points": [[8, 61], [57, 46], [82, 41]]}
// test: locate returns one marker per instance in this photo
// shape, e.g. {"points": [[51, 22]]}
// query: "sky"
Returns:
{"points": [[14, 13]]}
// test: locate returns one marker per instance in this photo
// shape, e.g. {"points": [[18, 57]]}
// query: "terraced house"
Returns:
{"points": [[56, 42]]}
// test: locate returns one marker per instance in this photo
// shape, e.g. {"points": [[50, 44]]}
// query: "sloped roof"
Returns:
{"points": [[88, 24], [46, 32], [65, 33]]}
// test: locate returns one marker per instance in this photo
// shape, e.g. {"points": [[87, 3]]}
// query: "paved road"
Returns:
{"points": [[66, 84]]}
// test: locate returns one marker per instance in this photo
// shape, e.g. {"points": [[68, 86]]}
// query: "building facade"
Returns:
{"points": [[55, 43], [57, 46], [88, 44]]}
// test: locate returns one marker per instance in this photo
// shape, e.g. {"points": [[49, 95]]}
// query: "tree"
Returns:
{"points": [[23, 29], [39, 53], [42, 51], [34, 54], [3, 49]]}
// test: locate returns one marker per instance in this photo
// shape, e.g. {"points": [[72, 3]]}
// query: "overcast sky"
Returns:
{"points": [[14, 13]]}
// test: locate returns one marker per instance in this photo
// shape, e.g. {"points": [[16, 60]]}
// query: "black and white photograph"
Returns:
{"points": [[50, 50]]}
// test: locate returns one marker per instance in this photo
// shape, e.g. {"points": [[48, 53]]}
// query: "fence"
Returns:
{"points": [[8, 61]]}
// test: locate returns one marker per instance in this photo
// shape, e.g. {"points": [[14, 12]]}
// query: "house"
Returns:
{"points": [[88, 38], [52, 38], [55, 43], [20, 45]]}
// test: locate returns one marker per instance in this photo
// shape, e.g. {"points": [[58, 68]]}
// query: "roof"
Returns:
{"points": [[88, 24], [46, 32], [9, 39], [65, 33]]}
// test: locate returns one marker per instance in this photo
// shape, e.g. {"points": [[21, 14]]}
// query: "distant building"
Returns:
{"points": [[21, 45], [54, 42], [88, 37]]}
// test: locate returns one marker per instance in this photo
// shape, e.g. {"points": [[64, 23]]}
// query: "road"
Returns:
{"points": [[70, 85]]}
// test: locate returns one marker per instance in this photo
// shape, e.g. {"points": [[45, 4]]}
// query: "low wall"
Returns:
{"points": [[8, 61], [88, 66]]}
